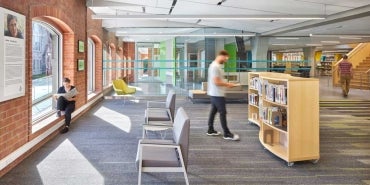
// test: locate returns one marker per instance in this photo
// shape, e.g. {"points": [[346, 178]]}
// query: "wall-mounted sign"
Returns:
{"points": [[80, 64], [81, 46], [12, 54]]}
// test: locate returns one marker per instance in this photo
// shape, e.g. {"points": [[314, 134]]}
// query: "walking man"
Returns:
{"points": [[216, 90], [345, 72]]}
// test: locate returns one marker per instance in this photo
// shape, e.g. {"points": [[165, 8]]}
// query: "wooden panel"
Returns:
{"points": [[303, 120]]}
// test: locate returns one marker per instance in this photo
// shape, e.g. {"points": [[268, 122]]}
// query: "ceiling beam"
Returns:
{"points": [[355, 13], [209, 17], [103, 3], [118, 34], [149, 24]]}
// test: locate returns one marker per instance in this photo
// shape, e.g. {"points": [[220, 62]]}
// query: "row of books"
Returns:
{"points": [[256, 83], [275, 116], [254, 99], [276, 93]]}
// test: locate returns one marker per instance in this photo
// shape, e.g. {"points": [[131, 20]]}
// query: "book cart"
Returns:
{"points": [[286, 109]]}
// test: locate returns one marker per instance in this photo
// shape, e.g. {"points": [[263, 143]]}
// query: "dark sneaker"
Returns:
{"points": [[64, 130], [233, 137], [213, 133], [59, 113]]}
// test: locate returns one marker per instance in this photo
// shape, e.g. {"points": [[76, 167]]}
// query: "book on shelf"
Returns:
{"points": [[254, 99], [256, 83], [275, 93], [275, 116]]}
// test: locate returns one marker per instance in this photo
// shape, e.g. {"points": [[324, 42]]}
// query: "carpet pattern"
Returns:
{"points": [[101, 149]]}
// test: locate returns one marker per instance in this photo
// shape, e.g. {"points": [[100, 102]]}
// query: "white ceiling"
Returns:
{"points": [[357, 25]]}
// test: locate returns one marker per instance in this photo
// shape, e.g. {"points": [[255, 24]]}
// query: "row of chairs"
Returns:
{"points": [[164, 155]]}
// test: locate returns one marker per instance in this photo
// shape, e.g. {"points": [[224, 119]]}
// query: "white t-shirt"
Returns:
{"points": [[215, 70]]}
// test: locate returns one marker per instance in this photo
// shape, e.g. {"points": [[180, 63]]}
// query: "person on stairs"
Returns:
{"points": [[346, 74], [64, 104]]}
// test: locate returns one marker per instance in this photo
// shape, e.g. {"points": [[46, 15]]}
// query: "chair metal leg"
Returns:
{"points": [[183, 165], [186, 177], [140, 164], [144, 133], [139, 178]]}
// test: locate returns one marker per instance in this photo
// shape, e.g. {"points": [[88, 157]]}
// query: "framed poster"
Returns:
{"points": [[81, 46], [12, 53], [80, 64]]}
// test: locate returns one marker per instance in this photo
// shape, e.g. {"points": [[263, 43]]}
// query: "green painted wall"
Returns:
{"points": [[230, 66]]}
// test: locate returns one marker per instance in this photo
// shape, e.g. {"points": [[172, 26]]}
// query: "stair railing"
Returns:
{"points": [[365, 83]]}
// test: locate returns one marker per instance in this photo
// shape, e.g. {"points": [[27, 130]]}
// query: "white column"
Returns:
{"points": [[260, 47], [309, 55]]}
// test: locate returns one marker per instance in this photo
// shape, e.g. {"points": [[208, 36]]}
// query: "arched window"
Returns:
{"points": [[105, 66], [91, 67], [46, 68]]}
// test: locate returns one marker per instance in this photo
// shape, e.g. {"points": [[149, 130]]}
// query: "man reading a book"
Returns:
{"points": [[216, 90], [66, 99]]}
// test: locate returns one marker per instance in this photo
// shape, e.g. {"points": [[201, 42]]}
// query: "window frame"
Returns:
{"points": [[91, 66], [57, 78]]}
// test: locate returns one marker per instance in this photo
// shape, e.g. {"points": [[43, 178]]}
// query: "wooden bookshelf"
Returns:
{"points": [[294, 136]]}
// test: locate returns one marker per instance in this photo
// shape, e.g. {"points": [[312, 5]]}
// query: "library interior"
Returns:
{"points": [[199, 92]]}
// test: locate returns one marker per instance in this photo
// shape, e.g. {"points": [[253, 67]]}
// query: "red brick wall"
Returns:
{"points": [[96, 35], [72, 19], [112, 42], [129, 53]]}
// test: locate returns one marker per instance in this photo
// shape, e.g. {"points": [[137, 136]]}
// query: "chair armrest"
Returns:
{"points": [[156, 141], [155, 104], [157, 127], [174, 145], [159, 124]]}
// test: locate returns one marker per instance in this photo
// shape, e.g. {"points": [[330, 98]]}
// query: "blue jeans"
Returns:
{"points": [[218, 105], [68, 107]]}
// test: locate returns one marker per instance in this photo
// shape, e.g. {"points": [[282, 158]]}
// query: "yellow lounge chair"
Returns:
{"points": [[122, 88]]}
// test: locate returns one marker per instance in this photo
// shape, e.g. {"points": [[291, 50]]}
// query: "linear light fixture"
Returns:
{"points": [[120, 34], [350, 38], [338, 36], [313, 44], [330, 41], [211, 17], [287, 38], [283, 44]]}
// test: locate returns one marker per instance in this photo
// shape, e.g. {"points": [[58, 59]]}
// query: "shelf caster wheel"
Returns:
{"points": [[290, 164], [315, 161]]}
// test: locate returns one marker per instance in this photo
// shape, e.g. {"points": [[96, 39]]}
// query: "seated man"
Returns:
{"points": [[66, 104]]}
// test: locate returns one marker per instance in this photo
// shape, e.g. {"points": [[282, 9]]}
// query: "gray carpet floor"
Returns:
{"points": [[101, 149]]}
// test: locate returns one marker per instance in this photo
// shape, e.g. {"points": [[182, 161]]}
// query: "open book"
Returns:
{"points": [[69, 94]]}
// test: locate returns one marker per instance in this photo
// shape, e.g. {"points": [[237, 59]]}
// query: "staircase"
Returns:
{"points": [[361, 75], [360, 59], [356, 108]]}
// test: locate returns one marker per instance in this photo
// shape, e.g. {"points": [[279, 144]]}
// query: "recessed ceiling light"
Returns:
{"points": [[286, 38]]}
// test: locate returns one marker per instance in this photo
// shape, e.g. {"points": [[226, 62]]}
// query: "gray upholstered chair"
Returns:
{"points": [[160, 118], [166, 155]]}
